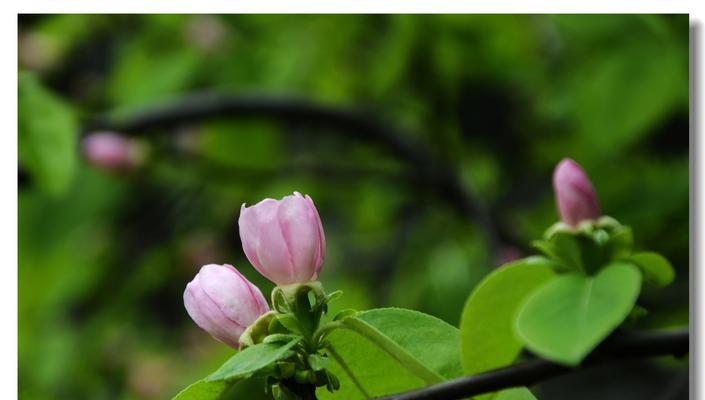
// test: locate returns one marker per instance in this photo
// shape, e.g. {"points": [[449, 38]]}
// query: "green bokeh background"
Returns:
{"points": [[104, 257]]}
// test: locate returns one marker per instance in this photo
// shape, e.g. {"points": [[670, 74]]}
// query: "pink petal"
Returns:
{"points": [[204, 311], [236, 298], [575, 196], [300, 230], [264, 243]]}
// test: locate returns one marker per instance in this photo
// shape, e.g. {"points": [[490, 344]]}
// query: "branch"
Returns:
{"points": [[432, 170], [531, 372]]}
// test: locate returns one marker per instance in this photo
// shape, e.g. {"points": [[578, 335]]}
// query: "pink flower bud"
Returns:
{"points": [[223, 302], [575, 196], [111, 151], [284, 239]]}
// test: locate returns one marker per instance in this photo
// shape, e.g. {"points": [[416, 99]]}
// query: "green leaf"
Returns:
{"points": [[280, 338], [433, 342], [290, 322], [520, 393], [389, 350], [655, 267], [625, 92], [565, 319], [487, 324], [47, 135], [244, 144], [169, 74], [203, 390], [254, 358]]}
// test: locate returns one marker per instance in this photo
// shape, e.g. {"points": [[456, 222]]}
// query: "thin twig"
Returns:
{"points": [[531, 372]]}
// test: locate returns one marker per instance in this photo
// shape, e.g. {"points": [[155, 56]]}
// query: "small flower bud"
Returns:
{"points": [[283, 239], [223, 302], [575, 196], [112, 151]]}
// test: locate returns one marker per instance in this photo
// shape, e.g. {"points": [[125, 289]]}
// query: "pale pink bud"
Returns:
{"points": [[223, 302], [575, 196], [283, 239], [111, 151]]}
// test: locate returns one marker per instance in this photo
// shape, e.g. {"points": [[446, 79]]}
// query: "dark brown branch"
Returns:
{"points": [[618, 347], [432, 170]]}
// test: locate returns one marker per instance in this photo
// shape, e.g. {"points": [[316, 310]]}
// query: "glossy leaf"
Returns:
{"points": [[242, 365], [655, 267], [567, 317], [250, 360], [390, 350], [430, 340], [487, 333]]}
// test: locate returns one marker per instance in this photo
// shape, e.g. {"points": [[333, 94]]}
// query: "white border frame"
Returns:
{"points": [[8, 77]]}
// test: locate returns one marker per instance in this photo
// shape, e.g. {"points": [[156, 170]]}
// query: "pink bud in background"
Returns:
{"points": [[508, 254], [223, 302], [111, 151], [575, 196], [284, 239]]}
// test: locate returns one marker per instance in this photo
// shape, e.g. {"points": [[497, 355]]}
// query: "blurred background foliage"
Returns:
{"points": [[498, 100]]}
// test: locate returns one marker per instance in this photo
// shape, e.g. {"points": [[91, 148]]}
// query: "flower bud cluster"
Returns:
{"points": [[284, 241]]}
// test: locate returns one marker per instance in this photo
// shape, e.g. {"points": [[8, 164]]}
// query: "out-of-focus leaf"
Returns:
{"points": [[47, 135], [624, 95], [142, 76], [655, 268], [450, 272], [243, 144]]}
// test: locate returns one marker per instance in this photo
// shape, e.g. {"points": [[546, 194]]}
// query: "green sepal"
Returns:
{"points": [[344, 314], [333, 295], [289, 322], [290, 294], [276, 327], [305, 376], [280, 392], [587, 248], [301, 306], [286, 369], [279, 338], [256, 332]]}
